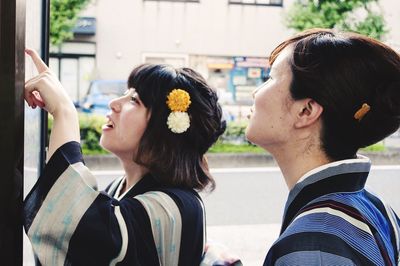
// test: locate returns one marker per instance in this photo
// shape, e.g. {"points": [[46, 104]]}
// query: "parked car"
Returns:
{"points": [[99, 95]]}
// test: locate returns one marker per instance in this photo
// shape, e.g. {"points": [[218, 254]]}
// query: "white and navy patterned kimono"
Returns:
{"points": [[69, 222], [331, 219]]}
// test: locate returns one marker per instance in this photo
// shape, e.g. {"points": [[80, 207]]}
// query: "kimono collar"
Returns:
{"points": [[145, 184], [339, 176]]}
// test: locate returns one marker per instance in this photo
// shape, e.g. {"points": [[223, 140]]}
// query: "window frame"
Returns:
{"points": [[233, 2]]}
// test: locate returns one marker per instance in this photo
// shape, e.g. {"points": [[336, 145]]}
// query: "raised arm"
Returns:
{"points": [[46, 91]]}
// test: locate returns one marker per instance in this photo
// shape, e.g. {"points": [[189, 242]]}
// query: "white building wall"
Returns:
{"points": [[128, 28], [391, 13], [196, 35]]}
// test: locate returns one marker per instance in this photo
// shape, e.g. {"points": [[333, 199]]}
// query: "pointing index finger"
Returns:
{"points": [[40, 65]]}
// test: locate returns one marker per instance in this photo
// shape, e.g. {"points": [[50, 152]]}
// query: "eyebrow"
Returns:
{"points": [[128, 90]]}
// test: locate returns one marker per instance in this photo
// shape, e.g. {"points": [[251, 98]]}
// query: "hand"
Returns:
{"points": [[45, 90]]}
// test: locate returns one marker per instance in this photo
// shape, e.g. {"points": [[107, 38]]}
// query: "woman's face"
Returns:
{"points": [[126, 125], [271, 119]]}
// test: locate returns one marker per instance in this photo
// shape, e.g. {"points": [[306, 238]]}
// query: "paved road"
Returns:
{"points": [[258, 195], [244, 212]]}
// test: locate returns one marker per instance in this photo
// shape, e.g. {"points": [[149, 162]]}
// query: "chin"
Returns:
{"points": [[248, 134], [254, 137], [104, 145]]}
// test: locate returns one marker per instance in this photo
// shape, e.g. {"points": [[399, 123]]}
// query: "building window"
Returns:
{"points": [[257, 2], [183, 1]]}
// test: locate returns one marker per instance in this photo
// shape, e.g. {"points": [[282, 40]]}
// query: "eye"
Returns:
{"points": [[134, 99]]}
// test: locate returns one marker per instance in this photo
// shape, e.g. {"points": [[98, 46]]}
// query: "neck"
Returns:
{"points": [[133, 172], [296, 160]]}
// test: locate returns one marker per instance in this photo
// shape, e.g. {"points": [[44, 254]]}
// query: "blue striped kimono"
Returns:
{"points": [[331, 219], [69, 222]]}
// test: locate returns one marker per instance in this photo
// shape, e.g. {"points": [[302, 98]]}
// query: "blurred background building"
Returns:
{"points": [[227, 41]]}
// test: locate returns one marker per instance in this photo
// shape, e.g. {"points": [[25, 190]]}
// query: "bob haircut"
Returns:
{"points": [[177, 159], [342, 71]]}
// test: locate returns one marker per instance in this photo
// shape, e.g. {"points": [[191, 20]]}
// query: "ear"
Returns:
{"points": [[308, 112], [148, 115]]}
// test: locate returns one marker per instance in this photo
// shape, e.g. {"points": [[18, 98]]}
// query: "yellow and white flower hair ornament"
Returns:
{"points": [[178, 101]]}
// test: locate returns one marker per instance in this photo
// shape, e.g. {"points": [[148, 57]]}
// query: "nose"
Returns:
{"points": [[115, 105]]}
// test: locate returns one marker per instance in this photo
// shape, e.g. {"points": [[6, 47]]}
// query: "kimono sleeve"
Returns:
{"points": [[68, 221], [64, 166]]}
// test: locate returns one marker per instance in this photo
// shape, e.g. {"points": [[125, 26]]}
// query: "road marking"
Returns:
{"points": [[225, 170], [386, 167], [277, 169], [245, 170]]}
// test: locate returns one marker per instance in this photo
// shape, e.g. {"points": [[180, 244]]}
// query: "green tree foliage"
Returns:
{"points": [[90, 131], [63, 16], [362, 16]]}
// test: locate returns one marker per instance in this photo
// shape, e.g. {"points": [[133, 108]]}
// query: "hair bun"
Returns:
{"points": [[220, 131], [389, 99], [384, 117]]}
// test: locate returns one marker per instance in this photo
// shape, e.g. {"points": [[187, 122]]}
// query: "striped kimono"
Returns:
{"points": [[331, 219], [69, 222]]}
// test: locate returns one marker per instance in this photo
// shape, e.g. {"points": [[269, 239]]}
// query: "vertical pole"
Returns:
{"points": [[45, 56], [12, 77]]}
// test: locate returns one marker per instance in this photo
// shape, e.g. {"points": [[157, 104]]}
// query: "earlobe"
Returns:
{"points": [[309, 113]]}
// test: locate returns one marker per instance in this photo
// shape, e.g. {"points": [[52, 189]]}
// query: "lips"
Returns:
{"points": [[109, 124]]}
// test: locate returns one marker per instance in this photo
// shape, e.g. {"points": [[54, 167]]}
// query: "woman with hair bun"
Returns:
{"points": [[329, 94], [160, 130]]}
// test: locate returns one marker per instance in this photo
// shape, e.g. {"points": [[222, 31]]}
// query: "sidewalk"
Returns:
{"points": [[249, 242], [224, 160]]}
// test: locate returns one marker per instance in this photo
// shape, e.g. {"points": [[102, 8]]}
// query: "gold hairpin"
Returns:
{"points": [[362, 112]]}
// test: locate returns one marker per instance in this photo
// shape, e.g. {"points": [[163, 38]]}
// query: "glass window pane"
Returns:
{"points": [[276, 2], [69, 76], [54, 64], [32, 121], [86, 70]]}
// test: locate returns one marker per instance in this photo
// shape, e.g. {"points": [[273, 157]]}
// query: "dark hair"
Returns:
{"points": [[342, 71], [177, 159]]}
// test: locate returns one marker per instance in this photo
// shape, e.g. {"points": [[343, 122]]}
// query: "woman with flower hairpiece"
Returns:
{"points": [[328, 95], [160, 130]]}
